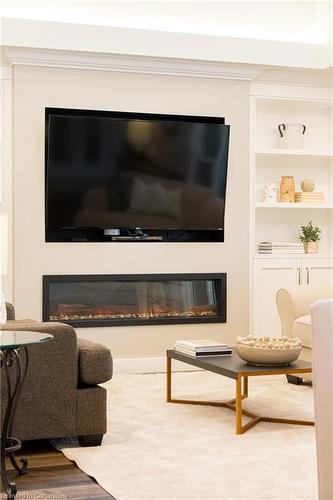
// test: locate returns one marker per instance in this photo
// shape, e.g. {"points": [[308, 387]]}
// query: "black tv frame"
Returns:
{"points": [[221, 287], [74, 234]]}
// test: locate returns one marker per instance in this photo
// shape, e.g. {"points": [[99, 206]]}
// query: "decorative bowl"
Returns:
{"points": [[267, 351]]}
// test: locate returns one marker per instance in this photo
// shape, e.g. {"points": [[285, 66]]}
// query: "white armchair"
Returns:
{"points": [[322, 328], [294, 306]]}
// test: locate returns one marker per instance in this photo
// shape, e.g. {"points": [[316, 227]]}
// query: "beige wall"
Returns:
{"points": [[36, 88]]}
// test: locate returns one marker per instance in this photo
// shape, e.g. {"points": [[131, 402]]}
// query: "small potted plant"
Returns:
{"points": [[310, 236]]}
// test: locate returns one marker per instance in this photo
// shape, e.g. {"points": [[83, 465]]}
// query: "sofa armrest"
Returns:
{"points": [[95, 362], [295, 302], [47, 404], [59, 357]]}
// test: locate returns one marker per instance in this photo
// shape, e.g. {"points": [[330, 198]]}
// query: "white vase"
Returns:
{"points": [[292, 135], [270, 192], [3, 310]]}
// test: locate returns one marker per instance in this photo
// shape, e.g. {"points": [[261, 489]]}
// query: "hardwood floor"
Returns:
{"points": [[52, 476]]}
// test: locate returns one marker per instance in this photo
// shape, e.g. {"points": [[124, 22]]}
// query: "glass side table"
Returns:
{"points": [[13, 347]]}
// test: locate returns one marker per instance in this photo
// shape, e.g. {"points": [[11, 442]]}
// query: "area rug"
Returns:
{"points": [[162, 451]]}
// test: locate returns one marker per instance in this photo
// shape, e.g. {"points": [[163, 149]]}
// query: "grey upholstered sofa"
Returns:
{"points": [[61, 396]]}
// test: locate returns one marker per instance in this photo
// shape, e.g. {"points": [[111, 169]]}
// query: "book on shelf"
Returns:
{"points": [[202, 347], [281, 252], [281, 243], [279, 247], [312, 197], [201, 354], [309, 195], [310, 200]]}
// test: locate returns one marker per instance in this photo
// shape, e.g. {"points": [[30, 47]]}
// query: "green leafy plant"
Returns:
{"points": [[309, 233]]}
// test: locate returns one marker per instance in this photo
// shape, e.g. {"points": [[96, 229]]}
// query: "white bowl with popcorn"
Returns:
{"points": [[268, 351]]}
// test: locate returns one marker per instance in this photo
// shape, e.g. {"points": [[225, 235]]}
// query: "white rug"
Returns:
{"points": [[162, 451]]}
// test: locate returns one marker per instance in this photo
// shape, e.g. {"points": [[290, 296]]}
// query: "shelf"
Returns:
{"points": [[292, 256], [262, 204], [299, 153]]}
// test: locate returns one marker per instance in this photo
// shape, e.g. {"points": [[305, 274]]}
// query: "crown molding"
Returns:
{"points": [[129, 64], [160, 66], [297, 77], [105, 48]]}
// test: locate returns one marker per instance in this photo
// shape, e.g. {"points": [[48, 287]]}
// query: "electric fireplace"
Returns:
{"points": [[116, 300]]}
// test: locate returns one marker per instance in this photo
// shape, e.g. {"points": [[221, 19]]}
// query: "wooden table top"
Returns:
{"points": [[232, 366]]}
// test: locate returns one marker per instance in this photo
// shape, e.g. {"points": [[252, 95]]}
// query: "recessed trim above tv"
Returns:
{"points": [[120, 176]]}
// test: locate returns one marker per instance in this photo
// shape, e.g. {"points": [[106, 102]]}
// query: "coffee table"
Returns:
{"points": [[235, 368]]}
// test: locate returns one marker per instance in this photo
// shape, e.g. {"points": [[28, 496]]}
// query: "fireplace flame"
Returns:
{"points": [[78, 312]]}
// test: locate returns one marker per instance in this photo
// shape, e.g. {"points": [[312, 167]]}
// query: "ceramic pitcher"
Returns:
{"points": [[291, 135]]}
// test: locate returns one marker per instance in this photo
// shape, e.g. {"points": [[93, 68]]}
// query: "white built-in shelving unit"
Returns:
{"points": [[293, 153], [312, 206], [282, 221]]}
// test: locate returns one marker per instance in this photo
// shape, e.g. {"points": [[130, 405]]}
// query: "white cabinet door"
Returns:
{"points": [[269, 276], [318, 272]]}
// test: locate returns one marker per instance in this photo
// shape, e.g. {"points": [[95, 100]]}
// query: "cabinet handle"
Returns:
{"points": [[307, 275], [299, 275]]}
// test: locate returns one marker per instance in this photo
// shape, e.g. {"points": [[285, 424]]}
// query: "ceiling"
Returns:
{"points": [[280, 20], [281, 33]]}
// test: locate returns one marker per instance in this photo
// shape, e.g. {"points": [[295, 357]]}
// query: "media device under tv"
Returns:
{"points": [[134, 176]]}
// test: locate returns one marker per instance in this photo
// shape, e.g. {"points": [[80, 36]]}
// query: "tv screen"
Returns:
{"points": [[130, 170]]}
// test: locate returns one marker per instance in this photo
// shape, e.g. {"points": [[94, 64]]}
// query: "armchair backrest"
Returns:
{"points": [[295, 302]]}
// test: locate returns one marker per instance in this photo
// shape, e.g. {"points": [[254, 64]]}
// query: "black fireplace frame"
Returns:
{"points": [[221, 285]]}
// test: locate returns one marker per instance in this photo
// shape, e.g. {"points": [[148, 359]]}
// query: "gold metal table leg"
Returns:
{"points": [[234, 404], [239, 405], [168, 387], [245, 386]]}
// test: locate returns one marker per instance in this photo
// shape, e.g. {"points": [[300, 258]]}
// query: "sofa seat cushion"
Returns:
{"points": [[95, 362], [302, 329]]}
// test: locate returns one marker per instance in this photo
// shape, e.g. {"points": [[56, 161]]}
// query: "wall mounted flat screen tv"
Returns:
{"points": [[130, 170]]}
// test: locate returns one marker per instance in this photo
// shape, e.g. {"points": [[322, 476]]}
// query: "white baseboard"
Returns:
{"points": [[148, 365]]}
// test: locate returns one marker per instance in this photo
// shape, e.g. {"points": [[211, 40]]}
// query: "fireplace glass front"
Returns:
{"points": [[123, 300]]}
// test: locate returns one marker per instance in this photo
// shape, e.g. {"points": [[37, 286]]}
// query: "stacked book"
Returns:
{"points": [[278, 247], [309, 197], [202, 347]]}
